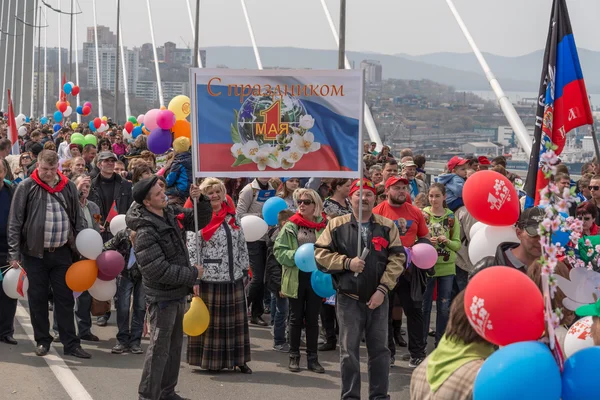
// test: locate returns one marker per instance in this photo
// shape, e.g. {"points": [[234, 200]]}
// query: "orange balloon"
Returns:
{"points": [[145, 131], [58, 104], [163, 107], [182, 128], [81, 275]]}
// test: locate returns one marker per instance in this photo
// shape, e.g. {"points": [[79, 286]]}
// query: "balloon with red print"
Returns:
{"points": [[491, 198]]}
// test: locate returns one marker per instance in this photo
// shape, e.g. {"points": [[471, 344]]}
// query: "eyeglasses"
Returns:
{"points": [[594, 187], [582, 218], [306, 202]]}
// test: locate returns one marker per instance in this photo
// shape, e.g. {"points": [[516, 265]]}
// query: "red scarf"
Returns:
{"points": [[217, 219], [62, 182], [303, 222]]}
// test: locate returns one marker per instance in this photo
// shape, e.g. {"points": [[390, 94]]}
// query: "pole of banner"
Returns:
{"points": [[252, 39], [161, 99], [45, 100], [6, 53], [98, 81], [76, 66], [123, 62], [14, 56], [507, 108], [595, 139], [196, 61], [59, 49], [342, 41], [116, 109], [194, 30], [23, 58], [71, 46], [3, 62], [34, 103], [360, 174], [368, 117]]}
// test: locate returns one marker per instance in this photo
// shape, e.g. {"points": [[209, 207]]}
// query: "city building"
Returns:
{"points": [[506, 135], [148, 91], [373, 71], [108, 60], [480, 148], [105, 35]]}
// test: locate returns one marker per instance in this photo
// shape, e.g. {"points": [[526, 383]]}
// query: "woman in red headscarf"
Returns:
{"points": [[224, 256]]}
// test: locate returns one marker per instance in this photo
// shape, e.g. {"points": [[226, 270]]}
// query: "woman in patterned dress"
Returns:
{"points": [[224, 256], [338, 204]]}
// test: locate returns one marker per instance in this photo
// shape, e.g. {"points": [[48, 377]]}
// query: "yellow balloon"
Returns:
{"points": [[74, 125], [196, 320], [180, 106], [104, 118]]}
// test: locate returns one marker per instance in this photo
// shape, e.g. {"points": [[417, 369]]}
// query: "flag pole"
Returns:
{"points": [[507, 108], [6, 52]]}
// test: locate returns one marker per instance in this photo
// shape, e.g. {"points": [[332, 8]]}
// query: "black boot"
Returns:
{"points": [[294, 362], [313, 364], [328, 346]]}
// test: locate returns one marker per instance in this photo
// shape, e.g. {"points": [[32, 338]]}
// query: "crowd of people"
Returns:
{"points": [[54, 189]]}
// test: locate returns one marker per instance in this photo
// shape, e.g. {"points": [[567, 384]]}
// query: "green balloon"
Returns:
{"points": [[132, 119], [78, 140], [90, 139], [76, 136]]}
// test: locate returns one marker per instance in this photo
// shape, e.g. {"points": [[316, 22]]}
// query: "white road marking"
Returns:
{"points": [[59, 368]]}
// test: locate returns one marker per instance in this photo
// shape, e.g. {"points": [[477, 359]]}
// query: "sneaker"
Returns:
{"points": [[327, 346], [102, 321], [272, 330], [392, 361], [431, 333], [119, 349], [414, 362], [136, 349], [321, 340], [282, 348]]}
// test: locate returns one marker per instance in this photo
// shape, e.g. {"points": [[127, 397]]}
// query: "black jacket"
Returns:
{"points": [[27, 218], [498, 260], [122, 244], [160, 249], [273, 268], [121, 194]]}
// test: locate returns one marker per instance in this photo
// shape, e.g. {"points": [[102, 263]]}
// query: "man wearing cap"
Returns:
{"points": [[411, 285], [362, 287], [518, 255], [484, 163], [162, 257], [409, 171], [454, 181]]}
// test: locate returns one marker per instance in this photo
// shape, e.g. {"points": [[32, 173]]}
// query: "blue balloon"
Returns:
{"points": [[579, 379], [27, 119], [79, 110], [44, 120], [322, 284], [58, 116], [305, 258], [137, 131], [515, 373], [67, 88], [272, 208], [91, 126], [56, 127]]}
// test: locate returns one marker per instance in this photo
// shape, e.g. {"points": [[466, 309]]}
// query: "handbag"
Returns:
{"points": [[99, 308]]}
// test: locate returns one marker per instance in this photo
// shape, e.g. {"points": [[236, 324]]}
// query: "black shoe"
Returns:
{"points": [[406, 357], [79, 353], [402, 331], [414, 362], [90, 337], [8, 339], [314, 366], [400, 341], [119, 349], [175, 396], [258, 321], [294, 363], [102, 321], [41, 350], [136, 349], [245, 369], [267, 309], [431, 333], [327, 346], [392, 361]]}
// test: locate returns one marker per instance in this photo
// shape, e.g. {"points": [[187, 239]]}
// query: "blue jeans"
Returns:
{"points": [[126, 336], [279, 313], [444, 297], [460, 281]]}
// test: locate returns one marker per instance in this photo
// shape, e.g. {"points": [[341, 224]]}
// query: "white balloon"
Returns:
{"points": [[487, 239], [117, 224], [68, 111], [477, 226], [89, 243], [10, 282], [23, 131], [579, 336], [20, 120], [254, 228], [103, 290]]}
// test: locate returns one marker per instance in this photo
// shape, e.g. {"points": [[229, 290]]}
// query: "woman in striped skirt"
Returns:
{"points": [[224, 256]]}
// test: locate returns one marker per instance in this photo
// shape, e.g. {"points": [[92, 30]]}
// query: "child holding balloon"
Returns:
{"points": [[445, 236]]}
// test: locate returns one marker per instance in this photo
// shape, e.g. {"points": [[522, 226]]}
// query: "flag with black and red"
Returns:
{"points": [[563, 102]]}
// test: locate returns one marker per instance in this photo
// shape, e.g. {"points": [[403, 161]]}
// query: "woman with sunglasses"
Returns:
{"points": [[22, 172], [303, 227], [587, 213]]}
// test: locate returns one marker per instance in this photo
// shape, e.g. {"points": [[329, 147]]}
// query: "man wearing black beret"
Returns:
{"points": [[167, 276]]}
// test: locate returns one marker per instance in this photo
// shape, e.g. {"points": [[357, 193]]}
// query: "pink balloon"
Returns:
{"points": [[110, 263], [87, 103], [140, 119], [424, 255], [166, 119], [150, 119], [76, 295]]}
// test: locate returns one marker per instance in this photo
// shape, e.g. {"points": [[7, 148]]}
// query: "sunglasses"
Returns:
{"points": [[306, 202], [25, 158], [594, 187], [582, 218], [366, 183]]}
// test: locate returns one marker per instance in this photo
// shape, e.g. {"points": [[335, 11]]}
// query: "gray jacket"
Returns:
{"points": [[160, 249], [466, 223], [27, 218], [248, 203], [94, 210]]}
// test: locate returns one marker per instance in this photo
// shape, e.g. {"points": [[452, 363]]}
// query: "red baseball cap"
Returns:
{"points": [[455, 162], [395, 179], [483, 160]]}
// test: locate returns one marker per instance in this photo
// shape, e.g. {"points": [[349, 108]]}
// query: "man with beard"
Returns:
{"points": [[411, 285]]}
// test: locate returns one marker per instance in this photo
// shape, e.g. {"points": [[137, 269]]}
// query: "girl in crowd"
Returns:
{"points": [[288, 187], [224, 256], [304, 227], [104, 145], [234, 187], [21, 173], [445, 236], [450, 370], [338, 203]]}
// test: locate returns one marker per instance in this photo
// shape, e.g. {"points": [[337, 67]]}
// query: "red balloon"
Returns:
{"points": [[75, 90], [62, 106], [110, 264], [86, 110], [504, 306], [128, 126], [491, 198], [97, 122]]}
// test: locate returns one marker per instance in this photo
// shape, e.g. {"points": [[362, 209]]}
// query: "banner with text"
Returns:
{"points": [[277, 123]]}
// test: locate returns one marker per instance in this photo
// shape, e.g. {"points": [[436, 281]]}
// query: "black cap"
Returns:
{"points": [[141, 189], [530, 219]]}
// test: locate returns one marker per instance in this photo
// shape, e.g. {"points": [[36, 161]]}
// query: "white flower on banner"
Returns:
{"points": [[290, 157], [307, 122], [306, 143], [263, 159]]}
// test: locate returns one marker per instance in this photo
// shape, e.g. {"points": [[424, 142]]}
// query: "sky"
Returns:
{"points": [[503, 27]]}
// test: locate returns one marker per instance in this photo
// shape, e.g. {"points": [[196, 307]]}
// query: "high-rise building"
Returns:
{"points": [[373, 71], [108, 61], [170, 49], [105, 35]]}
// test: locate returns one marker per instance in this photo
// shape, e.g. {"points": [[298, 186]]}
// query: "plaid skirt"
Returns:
{"points": [[226, 342]]}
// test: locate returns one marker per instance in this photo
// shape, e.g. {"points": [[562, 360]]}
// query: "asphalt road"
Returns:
{"points": [[106, 376]]}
